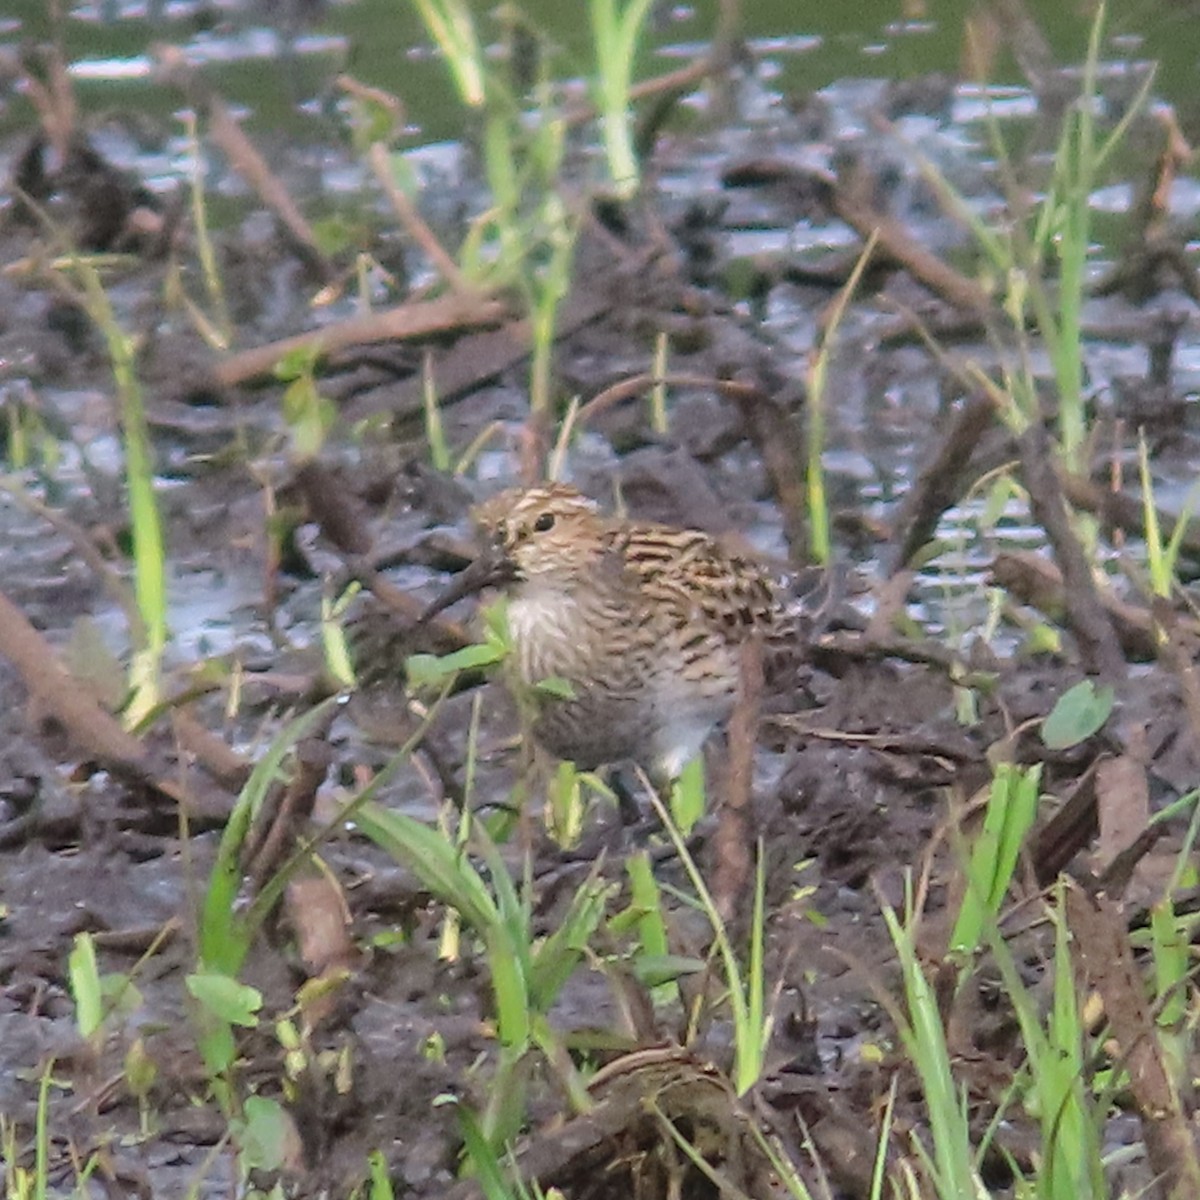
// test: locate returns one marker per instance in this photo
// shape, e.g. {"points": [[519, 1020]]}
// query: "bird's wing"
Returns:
{"points": [[686, 573]]}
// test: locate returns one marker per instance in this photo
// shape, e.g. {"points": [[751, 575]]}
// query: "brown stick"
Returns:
{"points": [[1034, 580], [478, 357], [52, 97], [87, 550], [93, 729], [671, 81], [420, 319], [412, 220], [1086, 618], [1106, 956], [780, 441], [213, 753], [734, 835], [1121, 511], [1073, 825], [1177, 651], [340, 515], [90, 726], [942, 480], [345, 525], [851, 203], [277, 836]]}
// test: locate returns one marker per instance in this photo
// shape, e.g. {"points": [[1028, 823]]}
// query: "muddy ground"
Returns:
{"points": [[865, 763]]}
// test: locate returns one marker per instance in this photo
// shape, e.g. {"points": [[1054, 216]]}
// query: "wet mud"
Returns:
{"points": [[916, 674]]}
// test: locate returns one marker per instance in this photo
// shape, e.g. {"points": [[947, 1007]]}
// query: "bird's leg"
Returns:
{"points": [[624, 790]]}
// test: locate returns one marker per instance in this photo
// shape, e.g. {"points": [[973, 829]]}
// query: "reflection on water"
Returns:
{"points": [[275, 63], [795, 48]]}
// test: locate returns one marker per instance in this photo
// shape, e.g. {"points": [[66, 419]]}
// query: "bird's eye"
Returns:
{"points": [[544, 523]]}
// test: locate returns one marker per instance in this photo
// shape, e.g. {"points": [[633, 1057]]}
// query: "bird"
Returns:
{"points": [[640, 625]]}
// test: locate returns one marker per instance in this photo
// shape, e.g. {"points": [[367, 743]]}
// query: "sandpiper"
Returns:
{"points": [[644, 623]]}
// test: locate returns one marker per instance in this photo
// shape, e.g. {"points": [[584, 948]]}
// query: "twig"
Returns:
{"points": [[1093, 629], [53, 98], [1121, 511], [89, 726], [942, 481], [734, 836], [1034, 580], [270, 843], [421, 319], [1104, 952], [112, 583], [412, 221]]}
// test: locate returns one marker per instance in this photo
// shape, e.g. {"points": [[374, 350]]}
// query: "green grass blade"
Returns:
{"points": [[925, 1041], [224, 938], [556, 959], [437, 863], [149, 553], [483, 1158], [1011, 811]]}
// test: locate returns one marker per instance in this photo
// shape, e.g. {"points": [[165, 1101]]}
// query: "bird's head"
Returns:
{"points": [[549, 533]]}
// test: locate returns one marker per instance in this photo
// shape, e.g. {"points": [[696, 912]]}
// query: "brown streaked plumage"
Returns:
{"points": [[644, 621]]}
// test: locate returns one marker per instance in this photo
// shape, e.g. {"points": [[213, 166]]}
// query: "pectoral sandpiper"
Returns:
{"points": [[644, 622]]}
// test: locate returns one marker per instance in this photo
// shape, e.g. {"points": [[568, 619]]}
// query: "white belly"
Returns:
{"points": [[545, 646]]}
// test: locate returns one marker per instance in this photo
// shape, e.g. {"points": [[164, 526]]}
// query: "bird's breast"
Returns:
{"points": [[550, 635]]}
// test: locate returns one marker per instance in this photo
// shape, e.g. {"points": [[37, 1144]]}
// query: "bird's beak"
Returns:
{"points": [[490, 569]]}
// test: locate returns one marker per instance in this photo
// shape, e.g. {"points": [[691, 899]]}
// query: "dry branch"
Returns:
{"points": [[420, 319], [89, 726], [1106, 957], [1032, 579], [1092, 627]]}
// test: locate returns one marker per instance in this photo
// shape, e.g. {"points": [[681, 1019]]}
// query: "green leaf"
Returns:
{"points": [[556, 958], [225, 935], [121, 994], [998, 496], [141, 1070], [1170, 950], [233, 1002], [333, 235], [564, 797], [1011, 812], [644, 913], [267, 1134], [1079, 713], [85, 985], [495, 621], [216, 1045], [309, 416], [1043, 639], [688, 796], [653, 970], [510, 988], [424, 670], [434, 860], [482, 1158], [381, 1184], [296, 363], [554, 686]]}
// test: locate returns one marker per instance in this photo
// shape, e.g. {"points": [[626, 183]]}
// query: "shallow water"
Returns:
{"points": [[806, 93], [382, 42]]}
